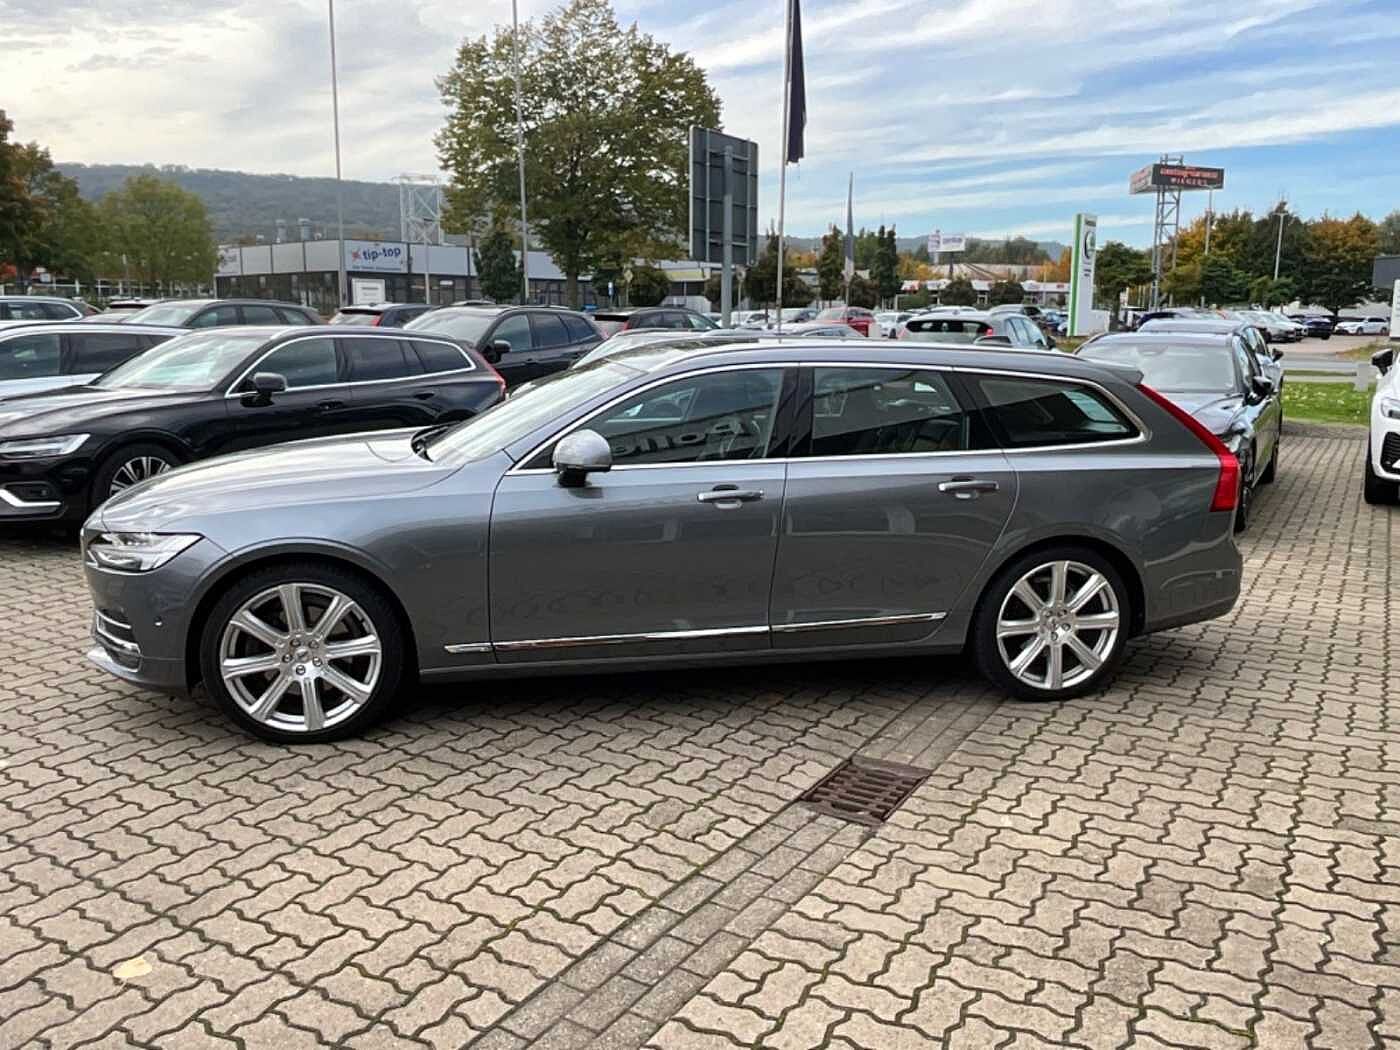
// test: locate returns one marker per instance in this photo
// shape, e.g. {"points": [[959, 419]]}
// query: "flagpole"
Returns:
{"points": [[782, 166]]}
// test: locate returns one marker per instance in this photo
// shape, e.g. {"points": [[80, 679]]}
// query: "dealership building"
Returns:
{"points": [[393, 271]]}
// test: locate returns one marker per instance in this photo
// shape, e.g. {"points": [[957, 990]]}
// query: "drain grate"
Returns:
{"points": [[864, 790]]}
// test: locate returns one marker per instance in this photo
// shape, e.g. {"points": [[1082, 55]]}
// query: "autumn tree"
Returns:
{"points": [[1058, 271], [606, 113], [43, 219], [1336, 269]]}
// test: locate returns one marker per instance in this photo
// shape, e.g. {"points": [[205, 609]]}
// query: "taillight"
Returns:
{"points": [[377, 319], [1227, 482], [986, 330]]}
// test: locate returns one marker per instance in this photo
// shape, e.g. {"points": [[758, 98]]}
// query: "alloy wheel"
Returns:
{"points": [[300, 657], [135, 470], [1058, 624]]}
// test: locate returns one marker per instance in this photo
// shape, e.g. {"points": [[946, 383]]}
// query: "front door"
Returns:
{"points": [[892, 506], [669, 552], [517, 365], [315, 404]]}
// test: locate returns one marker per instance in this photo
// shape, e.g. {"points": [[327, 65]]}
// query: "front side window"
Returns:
{"points": [[378, 359], [711, 417], [885, 411], [59, 311], [1030, 413], [29, 357], [306, 362], [216, 317], [515, 330]]}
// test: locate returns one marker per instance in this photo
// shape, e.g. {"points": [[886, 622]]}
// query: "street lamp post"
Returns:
{"points": [[339, 192], [1278, 251], [520, 155]]}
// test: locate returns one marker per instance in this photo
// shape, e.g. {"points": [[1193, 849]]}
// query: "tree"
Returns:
{"points": [[1118, 268], [864, 292], [1222, 282], [1006, 292], [866, 247], [1182, 283], [761, 281], [162, 230], [1268, 292], [43, 219], [1058, 271], [497, 266], [885, 270], [831, 265], [1336, 269], [606, 113], [921, 252], [649, 285], [958, 292], [1388, 234]]}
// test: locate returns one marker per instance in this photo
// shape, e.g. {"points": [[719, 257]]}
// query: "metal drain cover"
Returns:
{"points": [[864, 790]]}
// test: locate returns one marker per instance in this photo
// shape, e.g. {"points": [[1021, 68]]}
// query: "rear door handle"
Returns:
{"points": [[729, 495], [329, 403], [967, 488], [425, 395]]}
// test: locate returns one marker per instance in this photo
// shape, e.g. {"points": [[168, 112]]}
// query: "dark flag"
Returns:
{"points": [[797, 90]]}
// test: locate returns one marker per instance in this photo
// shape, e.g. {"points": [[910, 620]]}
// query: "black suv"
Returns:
{"points": [[610, 321], [381, 315], [219, 313], [523, 342]]}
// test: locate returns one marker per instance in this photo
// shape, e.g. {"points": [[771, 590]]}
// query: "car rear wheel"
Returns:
{"points": [[1271, 471], [1375, 489], [1244, 505], [302, 653], [1052, 624], [130, 466]]}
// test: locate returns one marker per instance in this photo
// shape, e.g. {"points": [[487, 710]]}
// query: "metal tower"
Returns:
{"points": [[1164, 232], [420, 219]]}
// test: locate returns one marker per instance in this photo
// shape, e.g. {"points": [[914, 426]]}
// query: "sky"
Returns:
{"points": [[983, 117]]}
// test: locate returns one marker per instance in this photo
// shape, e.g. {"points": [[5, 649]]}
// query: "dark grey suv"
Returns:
{"points": [[522, 342], [795, 501]]}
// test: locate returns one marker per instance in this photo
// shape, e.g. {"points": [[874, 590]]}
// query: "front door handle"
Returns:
{"points": [[967, 488], [425, 395], [329, 403], [726, 496]]}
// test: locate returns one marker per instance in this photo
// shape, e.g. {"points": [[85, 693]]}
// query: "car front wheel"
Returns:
{"points": [[1375, 489], [1052, 624], [302, 653]]}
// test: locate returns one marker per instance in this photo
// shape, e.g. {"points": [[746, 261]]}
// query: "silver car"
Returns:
{"points": [[783, 502], [48, 355]]}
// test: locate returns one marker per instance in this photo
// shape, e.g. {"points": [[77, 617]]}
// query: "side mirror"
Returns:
{"points": [[1050, 343], [579, 454], [494, 351], [263, 385], [1263, 386], [992, 340], [1384, 360]]}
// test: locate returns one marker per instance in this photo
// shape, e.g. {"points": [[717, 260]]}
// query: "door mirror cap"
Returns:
{"points": [[1276, 354], [1050, 343], [579, 454], [495, 349], [263, 385], [992, 340], [1263, 385], [1384, 360]]}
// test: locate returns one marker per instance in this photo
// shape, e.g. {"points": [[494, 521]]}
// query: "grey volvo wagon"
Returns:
{"points": [[664, 508]]}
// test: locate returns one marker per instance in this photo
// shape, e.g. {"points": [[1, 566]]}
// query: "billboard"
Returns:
{"points": [[707, 149], [1081, 274], [1162, 176], [376, 257], [938, 241]]}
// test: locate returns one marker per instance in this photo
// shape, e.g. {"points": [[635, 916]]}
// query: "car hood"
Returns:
{"points": [[1217, 414], [319, 471], [54, 411]]}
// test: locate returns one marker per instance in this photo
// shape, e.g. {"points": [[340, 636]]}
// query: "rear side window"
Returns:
{"points": [[549, 331], [59, 312], [439, 357], [99, 352], [29, 357], [260, 315], [378, 359], [580, 331], [1030, 413], [290, 316], [885, 411], [216, 317], [946, 330]]}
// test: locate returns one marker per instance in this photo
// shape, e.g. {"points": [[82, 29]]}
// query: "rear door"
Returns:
{"points": [[554, 350], [89, 354], [894, 500], [387, 386]]}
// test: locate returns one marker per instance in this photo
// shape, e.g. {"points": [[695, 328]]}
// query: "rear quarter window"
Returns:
{"points": [[1033, 413], [439, 357]]}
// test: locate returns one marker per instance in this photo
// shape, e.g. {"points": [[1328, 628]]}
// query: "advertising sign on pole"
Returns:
{"points": [[1081, 274], [1395, 312]]}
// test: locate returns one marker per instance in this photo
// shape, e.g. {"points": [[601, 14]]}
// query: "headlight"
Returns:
{"points": [[39, 448], [136, 551], [1390, 408]]}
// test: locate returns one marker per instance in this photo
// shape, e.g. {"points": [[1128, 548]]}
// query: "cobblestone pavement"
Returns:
{"points": [[1207, 855]]}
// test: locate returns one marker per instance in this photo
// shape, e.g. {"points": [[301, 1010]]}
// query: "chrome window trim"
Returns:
{"points": [[859, 621], [468, 647], [233, 390]]}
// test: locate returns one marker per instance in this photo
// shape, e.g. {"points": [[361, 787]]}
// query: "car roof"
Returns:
{"points": [[1192, 324], [37, 299], [95, 328], [1159, 338], [969, 315]]}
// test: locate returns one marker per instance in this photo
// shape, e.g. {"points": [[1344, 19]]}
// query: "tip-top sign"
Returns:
{"points": [[1156, 177]]}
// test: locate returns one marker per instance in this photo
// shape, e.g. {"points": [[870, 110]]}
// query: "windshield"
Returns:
{"points": [[176, 314], [1178, 369], [188, 362], [467, 325], [508, 421]]}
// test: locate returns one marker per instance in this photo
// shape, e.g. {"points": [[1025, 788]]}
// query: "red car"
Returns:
{"points": [[857, 317]]}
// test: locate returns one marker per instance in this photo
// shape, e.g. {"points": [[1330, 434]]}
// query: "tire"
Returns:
{"points": [[1376, 490], [127, 466], [349, 691], [1244, 505], [1000, 602], [1271, 470]]}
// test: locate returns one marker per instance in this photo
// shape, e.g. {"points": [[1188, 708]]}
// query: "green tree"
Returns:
{"points": [[43, 219], [1117, 268], [1268, 292], [162, 230], [831, 264], [1388, 234], [1006, 292], [1183, 282], [497, 267], [1336, 270], [649, 285], [885, 270], [1222, 282], [867, 247], [864, 292], [958, 292], [761, 281], [606, 112], [920, 253]]}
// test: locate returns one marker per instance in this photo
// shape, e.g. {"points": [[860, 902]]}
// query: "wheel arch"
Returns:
{"points": [[229, 573]]}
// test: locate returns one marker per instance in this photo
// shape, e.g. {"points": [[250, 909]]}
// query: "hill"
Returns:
{"points": [[243, 205]]}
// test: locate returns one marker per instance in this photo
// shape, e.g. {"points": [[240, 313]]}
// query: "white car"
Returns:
{"points": [[1382, 471], [47, 355], [1363, 326]]}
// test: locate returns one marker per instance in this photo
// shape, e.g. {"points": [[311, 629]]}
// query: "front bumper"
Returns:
{"points": [[44, 489], [1385, 445]]}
